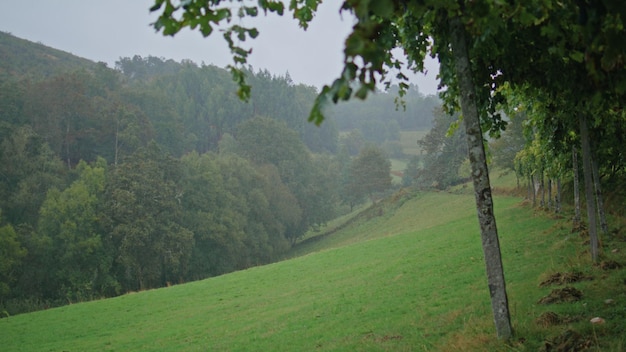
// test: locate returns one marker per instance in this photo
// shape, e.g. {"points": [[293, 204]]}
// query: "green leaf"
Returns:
{"points": [[382, 8], [251, 11], [157, 5], [206, 29], [577, 56], [354, 45], [221, 14], [362, 92]]}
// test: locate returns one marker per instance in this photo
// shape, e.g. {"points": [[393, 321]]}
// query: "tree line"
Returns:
{"points": [[155, 173]]}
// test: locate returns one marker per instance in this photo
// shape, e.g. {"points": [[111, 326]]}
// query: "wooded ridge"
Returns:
{"points": [[155, 173]]}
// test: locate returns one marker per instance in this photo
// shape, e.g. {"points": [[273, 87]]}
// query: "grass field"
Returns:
{"points": [[409, 139], [397, 170], [402, 277]]}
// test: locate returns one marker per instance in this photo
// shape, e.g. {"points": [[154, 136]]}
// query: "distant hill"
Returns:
{"points": [[23, 58]]}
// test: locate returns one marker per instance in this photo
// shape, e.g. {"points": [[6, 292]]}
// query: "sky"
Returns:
{"points": [[107, 30]]}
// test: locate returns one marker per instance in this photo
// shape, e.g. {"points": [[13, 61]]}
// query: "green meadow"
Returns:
{"points": [[405, 274]]}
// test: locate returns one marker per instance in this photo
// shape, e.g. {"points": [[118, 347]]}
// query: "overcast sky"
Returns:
{"points": [[105, 30]]}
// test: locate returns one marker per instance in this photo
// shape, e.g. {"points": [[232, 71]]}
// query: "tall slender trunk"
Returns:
{"points": [[549, 193], [576, 187], [480, 178], [542, 185], [600, 202], [557, 198], [532, 180], [67, 145], [589, 191], [117, 146], [530, 187]]}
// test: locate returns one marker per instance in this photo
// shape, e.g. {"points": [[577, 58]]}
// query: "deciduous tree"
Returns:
{"points": [[79, 262], [143, 218], [370, 172]]}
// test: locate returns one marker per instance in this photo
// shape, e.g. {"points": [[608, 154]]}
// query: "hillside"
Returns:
{"points": [[23, 58], [409, 279], [222, 184]]}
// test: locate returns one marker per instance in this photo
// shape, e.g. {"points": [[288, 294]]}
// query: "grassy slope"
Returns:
{"points": [[409, 139], [405, 280]]}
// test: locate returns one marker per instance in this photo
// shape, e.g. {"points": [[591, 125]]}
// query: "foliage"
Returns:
{"points": [[445, 150], [509, 144], [370, 173], [28, 168], [110, 182], [79, 267], [143, 218], [11, 256]]}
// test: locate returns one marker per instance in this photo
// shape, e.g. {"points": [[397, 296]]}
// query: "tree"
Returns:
{"points": [[143, 218], [480, 178], [79, 262], [264, 140], [510, 143], [445, 149], [370, 172], [28, 168], [60, 110], [11, 255], [216, 216], [352, 142]]}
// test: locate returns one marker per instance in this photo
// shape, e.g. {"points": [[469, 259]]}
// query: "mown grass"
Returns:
{"points": [[397, 170], [403, 278]]}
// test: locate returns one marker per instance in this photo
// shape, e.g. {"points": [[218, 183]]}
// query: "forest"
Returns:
{"points": [[154, 173]]}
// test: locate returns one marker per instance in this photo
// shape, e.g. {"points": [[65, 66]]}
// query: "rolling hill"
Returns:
{"points": [[22, 58]]}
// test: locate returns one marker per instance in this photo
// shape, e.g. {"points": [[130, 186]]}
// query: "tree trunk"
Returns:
{"points": [[117, 146], [543, 189], [549, 194], [480, 178], [576, 187], [530, 187], [534, 189], [67, 145], [600, 202], [557, 198], [589, 191]]}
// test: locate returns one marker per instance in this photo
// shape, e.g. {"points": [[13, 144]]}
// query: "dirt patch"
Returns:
{"points": [[397, 173], [566, 294], [568, 341], [608, 265], [385, 338], [580, 227], [564, 278], [548, 319]]}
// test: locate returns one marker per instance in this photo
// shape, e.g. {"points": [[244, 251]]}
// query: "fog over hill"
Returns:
{"points": [[107, 30]]}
